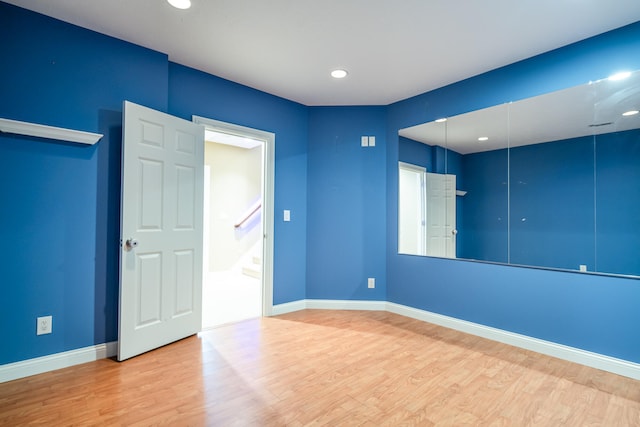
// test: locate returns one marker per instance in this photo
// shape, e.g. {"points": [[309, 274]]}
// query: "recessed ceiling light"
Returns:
{"points": [[630, 113], [180, 4], [483, 138], [620, 76], [441, 120], [339, 74]]}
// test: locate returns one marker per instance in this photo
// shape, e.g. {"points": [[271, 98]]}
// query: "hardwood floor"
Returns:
{"points": [[337, 368]]}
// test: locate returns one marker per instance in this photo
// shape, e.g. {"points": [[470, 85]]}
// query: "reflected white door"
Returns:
{"points": [[161, 230], [411, 210], [441, 215]]}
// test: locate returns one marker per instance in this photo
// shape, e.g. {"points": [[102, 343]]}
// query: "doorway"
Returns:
{"points": [[237, 254], [426, 212]]}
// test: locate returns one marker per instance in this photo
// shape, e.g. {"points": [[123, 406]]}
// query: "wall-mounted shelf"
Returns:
{"points": [[51, 132]]}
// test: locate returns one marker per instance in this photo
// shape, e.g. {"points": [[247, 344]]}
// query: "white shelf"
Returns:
{"points": [[51, 132]]}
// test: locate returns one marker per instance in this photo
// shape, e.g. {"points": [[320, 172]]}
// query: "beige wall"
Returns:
{"points": [[236, 183]]}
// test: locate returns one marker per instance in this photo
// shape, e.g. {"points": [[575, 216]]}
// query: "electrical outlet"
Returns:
{"points": [[371, 282], [44, 325]]}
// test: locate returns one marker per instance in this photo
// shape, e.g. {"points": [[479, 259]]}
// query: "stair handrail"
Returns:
{"points": [[249, 213]]}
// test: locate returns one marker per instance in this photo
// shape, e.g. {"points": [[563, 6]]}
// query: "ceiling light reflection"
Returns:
{"points": [[620, 76], [180, 4], [339, 74]]}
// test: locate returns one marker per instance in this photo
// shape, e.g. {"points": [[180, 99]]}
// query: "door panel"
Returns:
{"points": [[161, 226], [184, 283], [441, 215], [185, 177], [148, 296], [150, 195]]}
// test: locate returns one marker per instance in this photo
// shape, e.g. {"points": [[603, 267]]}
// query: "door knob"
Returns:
{"points": [[454, 231], [131, 243]]}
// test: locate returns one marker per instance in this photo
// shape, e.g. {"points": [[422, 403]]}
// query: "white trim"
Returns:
{"points": [[39, 365], [411, 167], [288, 307], [625, 368], [268, 204], [325, 304], [50, 132], [571, 354]]}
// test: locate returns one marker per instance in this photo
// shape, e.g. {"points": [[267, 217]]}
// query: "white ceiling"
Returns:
{"points": [[590, 109], [393, 49]]}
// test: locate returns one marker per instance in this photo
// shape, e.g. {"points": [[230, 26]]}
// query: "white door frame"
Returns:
{"points": [[418, 219], [269, 139]]}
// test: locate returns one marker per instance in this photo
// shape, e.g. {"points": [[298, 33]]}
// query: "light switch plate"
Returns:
{"points": [[287, 215], [44, 325]]}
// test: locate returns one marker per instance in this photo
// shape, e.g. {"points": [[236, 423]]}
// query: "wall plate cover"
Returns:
{"points": [[44, 325]]}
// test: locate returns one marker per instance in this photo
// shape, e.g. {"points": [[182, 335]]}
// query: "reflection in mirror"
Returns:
{"points": [[481, 137], [551, 180], [427, 197], [555, 183], [473, 145], [617, 190], [412, 234]]}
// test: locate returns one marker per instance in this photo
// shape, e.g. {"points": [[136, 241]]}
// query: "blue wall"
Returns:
{"points": [[415, 153], [483, 230], [590, 312], [618, 202], [193, 92], [434, 159], [346, 204], [60, 202], [552, 203]]}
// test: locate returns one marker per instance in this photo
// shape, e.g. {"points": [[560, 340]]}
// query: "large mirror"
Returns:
{"points": [[551, 181]]}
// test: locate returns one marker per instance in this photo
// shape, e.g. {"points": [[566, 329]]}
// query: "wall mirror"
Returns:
{"points": [[551, 181]]}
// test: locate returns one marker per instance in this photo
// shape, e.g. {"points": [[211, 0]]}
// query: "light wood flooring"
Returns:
{"points": [[334, 368]]}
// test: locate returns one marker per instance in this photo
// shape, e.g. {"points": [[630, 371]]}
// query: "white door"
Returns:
{"points": [[161, 230], [441, 215]]}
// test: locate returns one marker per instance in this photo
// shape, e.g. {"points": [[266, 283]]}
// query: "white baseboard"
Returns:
{"points": [[327, 304], [288, 307], [625, 368], [39, 365], [571, 354]]}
